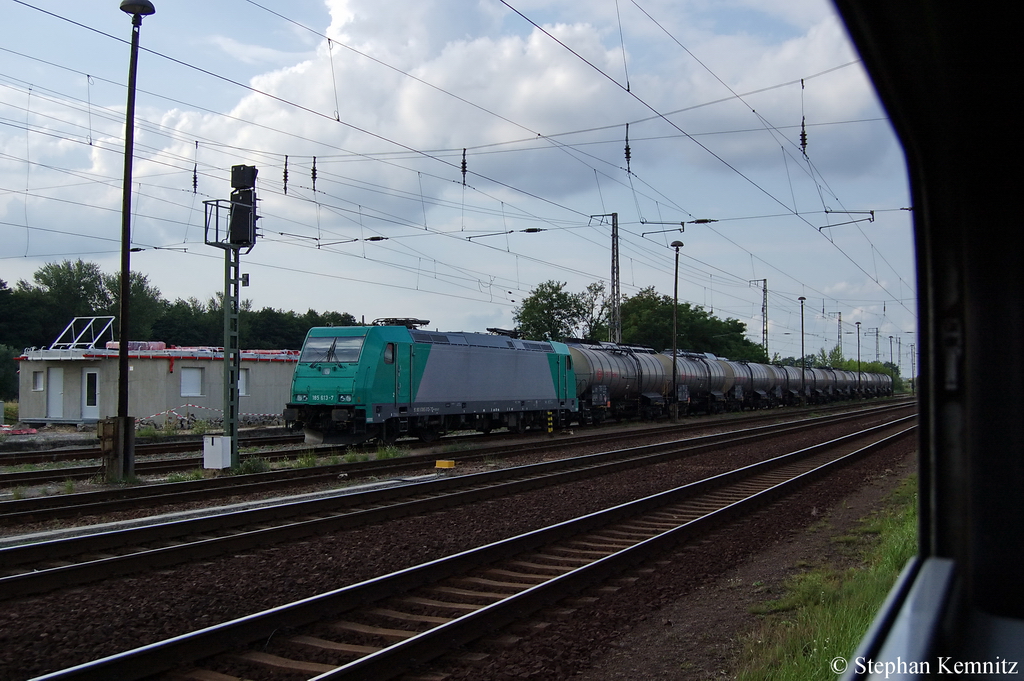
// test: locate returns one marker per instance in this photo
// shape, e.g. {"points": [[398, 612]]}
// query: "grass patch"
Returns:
{"points": [[147, 431], [187, 476], [826, 611], [356, 457], [305, 461], [253, 464], [387, 452]]}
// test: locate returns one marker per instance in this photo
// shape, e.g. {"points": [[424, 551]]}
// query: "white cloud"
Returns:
{"points": [[486, 79]]}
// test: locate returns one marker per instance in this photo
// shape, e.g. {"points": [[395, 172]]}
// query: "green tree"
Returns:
{"points": [[8, 372], [829, 359], [75, 288], [549, 312], [595, 309], [189, 323], [647, 320], [313, 318], [60, 292], [145, 303], [270, 329]]}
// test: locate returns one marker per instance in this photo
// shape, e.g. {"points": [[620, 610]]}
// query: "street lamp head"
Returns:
{"points": [[801, 299], [142, 8], [677, 244]]}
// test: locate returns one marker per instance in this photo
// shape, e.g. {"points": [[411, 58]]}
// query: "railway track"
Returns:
{"points": [[147, 463], [46, 565], [41, 508], [382, 627], [193, 444]]}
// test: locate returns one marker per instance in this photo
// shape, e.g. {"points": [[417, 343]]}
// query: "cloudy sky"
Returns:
{"points": [[381, 99]]}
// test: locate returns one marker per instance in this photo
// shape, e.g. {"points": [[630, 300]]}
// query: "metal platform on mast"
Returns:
{"points": [[231, 226]]}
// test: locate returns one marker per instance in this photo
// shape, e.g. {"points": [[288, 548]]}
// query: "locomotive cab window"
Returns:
{"points": [[331, 349], [389, 353]]}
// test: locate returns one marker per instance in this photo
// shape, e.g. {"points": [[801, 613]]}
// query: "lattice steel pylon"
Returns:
{"points": [[615, 314], [764, 314]]}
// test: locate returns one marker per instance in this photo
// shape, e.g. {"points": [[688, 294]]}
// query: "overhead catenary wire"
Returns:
{"points": [[422, 195]]}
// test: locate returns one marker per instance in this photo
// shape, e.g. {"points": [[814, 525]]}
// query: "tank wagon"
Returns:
{"points": [[359, 383]]}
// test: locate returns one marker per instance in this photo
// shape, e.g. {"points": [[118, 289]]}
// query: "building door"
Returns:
{"points": [[90, 394], [55, 393]]}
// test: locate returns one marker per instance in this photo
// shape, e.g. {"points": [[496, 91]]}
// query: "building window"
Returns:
{"points": [[191, 382], [37, 381], [243, 381]]}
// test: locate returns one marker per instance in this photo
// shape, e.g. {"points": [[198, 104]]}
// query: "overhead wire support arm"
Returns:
{"points": [[528, 230], [681, 228], [869, 213], [682, 225]]}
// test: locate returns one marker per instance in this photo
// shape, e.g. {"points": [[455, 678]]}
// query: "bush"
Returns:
{"points": [[388, 452], [11, 412], [252, 465], [306, 461]]}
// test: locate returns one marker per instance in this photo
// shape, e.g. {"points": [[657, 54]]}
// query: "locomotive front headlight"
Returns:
{"points": [[301, 398], [344, 398]]}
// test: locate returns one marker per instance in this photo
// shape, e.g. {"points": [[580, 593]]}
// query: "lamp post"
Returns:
{"points": [[803, 354], [125, 429], [675, 333], [858, 359]]}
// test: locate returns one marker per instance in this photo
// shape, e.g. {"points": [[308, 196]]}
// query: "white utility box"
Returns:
{"points": [[216, 451]]}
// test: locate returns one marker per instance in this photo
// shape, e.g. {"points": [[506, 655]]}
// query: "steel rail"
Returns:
{"points": [[420, 648], [35, 508], [192, 444], [164, 466], [343, 512]]}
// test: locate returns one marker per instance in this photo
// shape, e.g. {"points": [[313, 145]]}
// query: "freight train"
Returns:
{"points": [[358, 383]]}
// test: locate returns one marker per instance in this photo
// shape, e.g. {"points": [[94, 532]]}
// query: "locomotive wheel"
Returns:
{"points": [[428, 434]]}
